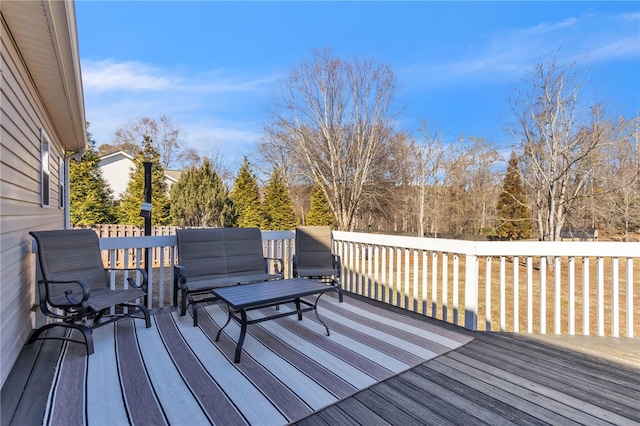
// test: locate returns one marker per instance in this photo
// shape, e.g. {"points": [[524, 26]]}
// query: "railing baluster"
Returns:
{"points": [[406, 290], [615, 296], [425, 271], [399, 298], [557, 322], [487, 296], [586, 288], [456, 267], [503, 296], [370, 282], [415, 280], [376, 275], [445, 285], [630, 330], [543, 295], [516, 294], [529, 294], [600, 296], [434, 284], [572, 296]]}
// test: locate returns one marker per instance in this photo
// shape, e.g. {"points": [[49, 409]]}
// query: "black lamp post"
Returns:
{"points": [[146, 211]]}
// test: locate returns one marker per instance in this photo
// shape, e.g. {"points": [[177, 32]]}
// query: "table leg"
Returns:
{"points": [[225, 324], [315, 308], [297, 301], [243, 332]]}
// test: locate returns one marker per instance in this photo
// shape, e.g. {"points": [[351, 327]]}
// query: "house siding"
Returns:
{"points": [[23, 115], [116, 170]]}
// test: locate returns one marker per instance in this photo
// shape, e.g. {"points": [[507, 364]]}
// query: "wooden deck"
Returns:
{"points": [[489, 378], [500, 379]]}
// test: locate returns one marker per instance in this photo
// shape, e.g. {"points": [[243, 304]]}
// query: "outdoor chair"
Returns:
{"points": [[74, 289], [314, 258]]}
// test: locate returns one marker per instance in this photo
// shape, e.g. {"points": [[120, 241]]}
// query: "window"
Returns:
{"points": [[61, 182], [45, 168]]}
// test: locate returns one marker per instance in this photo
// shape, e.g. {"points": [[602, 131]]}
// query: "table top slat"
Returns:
{"points": [[248, 295]]}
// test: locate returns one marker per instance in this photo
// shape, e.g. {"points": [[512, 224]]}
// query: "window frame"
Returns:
{"points": [[62, 182], [45, 169]]}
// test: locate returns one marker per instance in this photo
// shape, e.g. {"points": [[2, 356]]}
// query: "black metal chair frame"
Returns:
{"points": [[79, 306]]}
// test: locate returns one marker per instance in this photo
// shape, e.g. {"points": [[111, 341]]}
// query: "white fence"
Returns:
{"points": [[532, 287]]}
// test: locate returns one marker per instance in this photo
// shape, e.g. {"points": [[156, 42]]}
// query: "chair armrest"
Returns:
{"points": [[179, 275], [337, 263], [131, 280], [73, 301], [294, 260], [278, 265]]}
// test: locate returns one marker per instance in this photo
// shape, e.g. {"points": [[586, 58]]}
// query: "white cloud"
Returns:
{"points": [[130, 76], [507, 55], [211, 108]]}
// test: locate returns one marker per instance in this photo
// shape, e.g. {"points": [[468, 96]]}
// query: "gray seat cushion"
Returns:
{"points": [[211, 282]]}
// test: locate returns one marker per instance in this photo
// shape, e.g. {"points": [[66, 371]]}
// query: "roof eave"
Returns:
{"points": [[46, 34]]}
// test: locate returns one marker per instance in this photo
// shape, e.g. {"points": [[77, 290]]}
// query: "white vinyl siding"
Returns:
{"points": [[22, 116], [116, 170]]}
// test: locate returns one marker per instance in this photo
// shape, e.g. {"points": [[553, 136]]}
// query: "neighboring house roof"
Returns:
{"points": [[174, 174], [46, 34], [116, 170], [579, 233]]}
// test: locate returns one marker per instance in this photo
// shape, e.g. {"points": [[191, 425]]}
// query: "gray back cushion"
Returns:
{"points": [[220, 251], [313, 247], [68, 255], [244, 250], [201, 251]]}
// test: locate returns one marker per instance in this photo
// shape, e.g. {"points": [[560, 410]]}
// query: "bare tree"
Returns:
{"points": [[622, 178], [558, 138], [474, 180], [163, 132], [428, 164], [335, 118]]}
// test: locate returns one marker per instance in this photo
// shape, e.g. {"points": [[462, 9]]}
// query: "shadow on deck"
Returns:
{"points": [[380, 365]]}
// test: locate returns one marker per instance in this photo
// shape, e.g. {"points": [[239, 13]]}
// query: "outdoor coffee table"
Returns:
{"points": [[241, 299]]}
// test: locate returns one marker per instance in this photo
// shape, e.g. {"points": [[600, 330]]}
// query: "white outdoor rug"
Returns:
{"points": [[174, 373]]}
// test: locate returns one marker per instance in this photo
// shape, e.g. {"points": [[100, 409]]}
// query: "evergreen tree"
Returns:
{"points": [[320, 212], [90, 198], [200, 198], [134, 194], [246, 197], [278, 206], [513, 213]]}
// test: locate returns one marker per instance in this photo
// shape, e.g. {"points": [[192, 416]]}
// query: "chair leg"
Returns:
{"points": [[175, 295], [183, 303], [86, 333], [88, 338], [194, 309], [147, 318], [336, 284]]}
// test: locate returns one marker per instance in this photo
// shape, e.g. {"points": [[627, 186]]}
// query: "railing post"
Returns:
{"points": [[471, 293]]}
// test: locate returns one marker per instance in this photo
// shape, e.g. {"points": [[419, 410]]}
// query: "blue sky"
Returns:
{"points": [[213, 66]]}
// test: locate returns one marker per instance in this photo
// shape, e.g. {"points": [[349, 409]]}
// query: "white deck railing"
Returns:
{"points": [[532, 287]]}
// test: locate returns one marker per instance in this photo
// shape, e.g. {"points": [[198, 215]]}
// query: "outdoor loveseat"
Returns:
{"points": [[210, 258]]}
